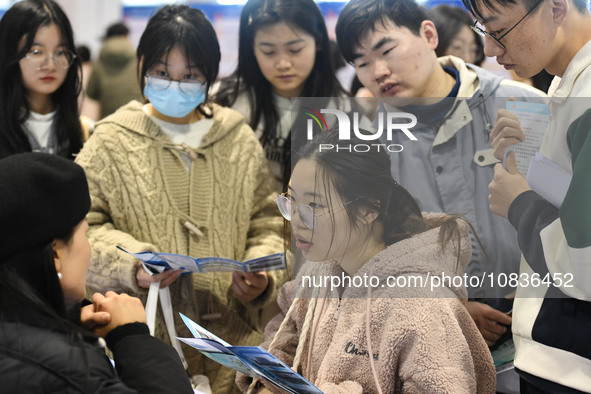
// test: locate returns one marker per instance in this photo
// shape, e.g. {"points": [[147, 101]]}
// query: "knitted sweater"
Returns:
{"points": [[142, 196], [421, 341]]}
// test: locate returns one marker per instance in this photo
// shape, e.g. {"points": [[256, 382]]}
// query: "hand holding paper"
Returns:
{"points": [[506, 186], [145, 276], [250, 360], [249, 285], [506, 132], [533, 120]]}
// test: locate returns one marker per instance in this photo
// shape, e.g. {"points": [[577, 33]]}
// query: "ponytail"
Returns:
{"points": [[403, 219], [401, 216]]}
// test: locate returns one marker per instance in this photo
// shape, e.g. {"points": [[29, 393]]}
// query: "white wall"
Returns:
{"points": [[90, 19]]}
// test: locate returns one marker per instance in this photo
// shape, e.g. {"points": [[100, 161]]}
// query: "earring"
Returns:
{"points": [[59, 275]]}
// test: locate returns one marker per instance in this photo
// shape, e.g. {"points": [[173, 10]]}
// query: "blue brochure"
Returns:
{"points": [[158, 262], [250, 360]]}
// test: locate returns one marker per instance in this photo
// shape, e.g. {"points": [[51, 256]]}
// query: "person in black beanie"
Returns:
{"points": [[44, 257]]}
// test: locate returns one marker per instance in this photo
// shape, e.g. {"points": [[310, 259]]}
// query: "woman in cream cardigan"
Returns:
{"points": [[182, 175], [361, 316]]}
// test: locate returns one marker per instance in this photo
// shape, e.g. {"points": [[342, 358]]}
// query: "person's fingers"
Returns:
{"points": [[490, 337], [100, 318], [238, 292], [97, 298], [256, 279], [241, 284], [499, 317], [505, 121], [502, 144], [494, 328], [511, 164], [169, 278]]}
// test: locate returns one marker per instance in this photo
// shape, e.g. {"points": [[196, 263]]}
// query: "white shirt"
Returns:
{"points": [[40, 132], [184, 134]]}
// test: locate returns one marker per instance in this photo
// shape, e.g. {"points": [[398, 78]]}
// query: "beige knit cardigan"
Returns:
{"points": [[142, 196]]}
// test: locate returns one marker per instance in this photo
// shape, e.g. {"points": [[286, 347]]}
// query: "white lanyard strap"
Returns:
{"points": [[166, 305]]}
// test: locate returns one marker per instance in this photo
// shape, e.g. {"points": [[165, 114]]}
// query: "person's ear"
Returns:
{"points": [[560, 9], [59, 253], [367, 215], [429, 32]]}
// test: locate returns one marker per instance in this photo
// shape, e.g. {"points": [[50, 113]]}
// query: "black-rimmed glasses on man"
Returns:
{"points": [[479, 29]]}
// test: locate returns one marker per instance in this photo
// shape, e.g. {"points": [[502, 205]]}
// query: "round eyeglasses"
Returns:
{"points": [[307, 214], [38, 58], [188, 86], [479, 29]]}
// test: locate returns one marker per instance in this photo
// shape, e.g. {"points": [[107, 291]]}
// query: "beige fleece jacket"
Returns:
{"points": [[142, 194], [421, 341]]}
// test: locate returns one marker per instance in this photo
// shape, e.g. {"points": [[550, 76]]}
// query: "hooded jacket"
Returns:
{"points": [[113, 80], [420, 341], [450, 165], [552, 312], [143, 198]]}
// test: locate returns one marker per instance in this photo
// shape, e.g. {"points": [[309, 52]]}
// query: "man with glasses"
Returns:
{"points": [[551, 322], [391, 44]]}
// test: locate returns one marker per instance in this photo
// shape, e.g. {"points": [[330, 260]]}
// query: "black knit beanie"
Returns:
{"points": [[42, 197]]}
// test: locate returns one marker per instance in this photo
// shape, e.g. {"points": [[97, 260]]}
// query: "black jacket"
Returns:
{"points": [[40, 355]]}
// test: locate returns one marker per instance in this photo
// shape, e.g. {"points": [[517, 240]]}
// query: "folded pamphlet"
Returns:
{"points": [[159, 262], [250, 360]]}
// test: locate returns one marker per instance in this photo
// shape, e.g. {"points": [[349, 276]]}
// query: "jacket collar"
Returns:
{"points": [[133, 118], [563, 87]]}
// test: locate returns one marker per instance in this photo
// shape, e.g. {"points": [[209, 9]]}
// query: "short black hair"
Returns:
{"points": [[83, 53], [185, 27], [475, 6], [116, 29], [359, 17]]}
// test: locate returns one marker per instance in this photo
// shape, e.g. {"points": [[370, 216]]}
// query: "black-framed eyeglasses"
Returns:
{"points": [[38, 58], [187, 86], [307, 214], [479, 29]]}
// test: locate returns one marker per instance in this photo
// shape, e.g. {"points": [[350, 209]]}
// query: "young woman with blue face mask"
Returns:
{"points": [[180, 174]]}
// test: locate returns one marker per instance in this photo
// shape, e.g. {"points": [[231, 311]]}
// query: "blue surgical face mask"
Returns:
{"points": [[172, 101]]}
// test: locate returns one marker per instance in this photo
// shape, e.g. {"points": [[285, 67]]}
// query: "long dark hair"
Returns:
{"points": [[20, 22], [322, 82], [188, 28], [363, 177], [28, 280]]}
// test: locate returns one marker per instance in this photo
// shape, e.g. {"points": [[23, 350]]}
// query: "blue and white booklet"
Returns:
{"points": [[158, 262], [250, 360]]}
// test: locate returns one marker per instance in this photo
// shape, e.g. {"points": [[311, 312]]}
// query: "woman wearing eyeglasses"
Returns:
{"points": [[363, 315], [39, 81], [180, 174]]}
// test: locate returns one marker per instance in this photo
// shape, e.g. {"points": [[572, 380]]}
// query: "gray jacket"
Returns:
{"points": [[450, 165]]}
